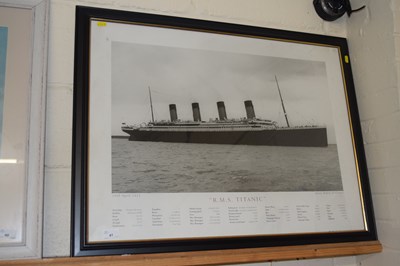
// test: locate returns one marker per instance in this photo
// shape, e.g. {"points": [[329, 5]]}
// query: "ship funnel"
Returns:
{"points": [[196, 112], [173, 113], [249, 109], [221, 111]]}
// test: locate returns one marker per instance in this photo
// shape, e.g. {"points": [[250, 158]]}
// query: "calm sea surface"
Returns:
{"points": [[156, 167]]}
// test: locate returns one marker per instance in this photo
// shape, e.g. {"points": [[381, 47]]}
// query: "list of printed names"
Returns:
{"points": [[228, 215]]}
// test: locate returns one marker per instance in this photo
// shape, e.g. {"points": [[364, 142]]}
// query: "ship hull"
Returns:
{"points": [[300, 137]]}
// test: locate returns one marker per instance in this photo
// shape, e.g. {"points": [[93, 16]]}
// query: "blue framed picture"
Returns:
{"points": [[3, 59]]}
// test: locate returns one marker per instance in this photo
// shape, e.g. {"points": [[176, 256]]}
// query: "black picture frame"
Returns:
{"points": [[80, 246]]}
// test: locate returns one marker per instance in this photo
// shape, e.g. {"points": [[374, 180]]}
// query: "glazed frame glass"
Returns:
{"points": [[23, 100], [116, 50]]}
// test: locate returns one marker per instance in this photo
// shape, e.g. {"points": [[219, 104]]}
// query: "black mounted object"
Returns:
{"points": [[331, 10]]}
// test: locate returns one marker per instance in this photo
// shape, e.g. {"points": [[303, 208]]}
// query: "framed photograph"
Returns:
{"points": [[197, 135], [23, 61]]}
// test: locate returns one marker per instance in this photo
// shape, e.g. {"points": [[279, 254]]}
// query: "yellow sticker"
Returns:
{"points": [[101, 24], [346, 59]]}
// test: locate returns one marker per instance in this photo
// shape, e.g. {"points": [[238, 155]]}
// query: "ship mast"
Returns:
{"points": [[283, 106], [151, 106]]}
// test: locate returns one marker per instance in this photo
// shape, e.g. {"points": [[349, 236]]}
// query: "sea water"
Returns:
{"points": [[159, 167]]}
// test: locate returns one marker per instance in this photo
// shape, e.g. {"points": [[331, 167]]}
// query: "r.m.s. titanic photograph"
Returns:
{"points": [[188, 120]]}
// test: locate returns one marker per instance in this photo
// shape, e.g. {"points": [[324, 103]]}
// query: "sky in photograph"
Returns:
{"points": [[183, 76]]}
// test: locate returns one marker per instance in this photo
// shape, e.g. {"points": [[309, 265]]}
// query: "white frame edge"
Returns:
{"points": [[32, 247]]}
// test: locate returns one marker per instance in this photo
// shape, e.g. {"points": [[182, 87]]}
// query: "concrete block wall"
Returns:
{"points": [[375, 52], [378, 94]]}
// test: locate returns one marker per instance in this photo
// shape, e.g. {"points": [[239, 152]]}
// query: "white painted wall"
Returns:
{"points": [[374, 39], [375, 58]]}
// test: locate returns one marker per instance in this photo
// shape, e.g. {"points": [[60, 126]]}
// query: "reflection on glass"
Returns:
{"points": [[8, 160]]}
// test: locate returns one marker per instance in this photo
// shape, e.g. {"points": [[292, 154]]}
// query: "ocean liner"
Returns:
{"points": [[246, 131]]}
